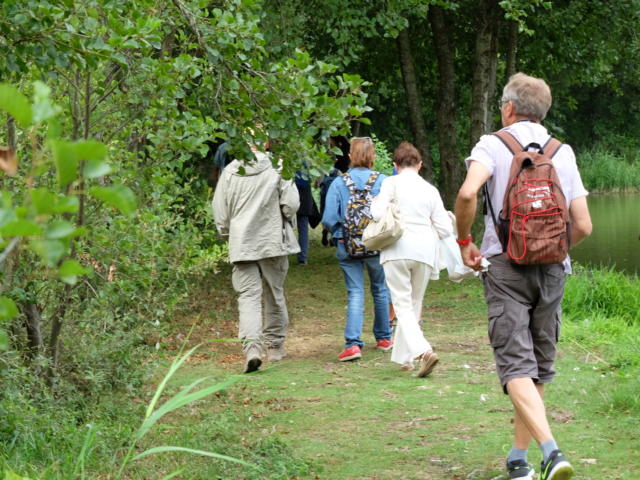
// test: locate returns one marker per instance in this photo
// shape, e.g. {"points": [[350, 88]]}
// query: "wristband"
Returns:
{"points": [[465, 242]]}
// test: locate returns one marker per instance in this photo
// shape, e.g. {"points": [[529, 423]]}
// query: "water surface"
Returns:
{"points": [[616, 233]]}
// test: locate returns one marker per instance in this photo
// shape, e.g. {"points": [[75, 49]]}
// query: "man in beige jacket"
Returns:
{"points": [[255, 209]]}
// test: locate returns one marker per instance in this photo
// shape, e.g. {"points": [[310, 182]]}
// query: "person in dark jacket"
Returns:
{"points": [[307, 216]]}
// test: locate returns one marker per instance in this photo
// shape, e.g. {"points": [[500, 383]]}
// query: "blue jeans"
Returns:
{"points": [[303, 238], [353, 270]]}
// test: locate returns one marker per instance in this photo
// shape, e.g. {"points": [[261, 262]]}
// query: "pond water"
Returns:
{"points": [[616, 233]]}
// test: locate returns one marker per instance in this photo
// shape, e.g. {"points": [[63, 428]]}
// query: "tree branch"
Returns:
{"points": [[15, 241]]}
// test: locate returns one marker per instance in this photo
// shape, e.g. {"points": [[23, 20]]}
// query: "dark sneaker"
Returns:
{"points": [[520, 469], [556, 467], [325, 237], [427, 363], [252, 359], [350, 353]]}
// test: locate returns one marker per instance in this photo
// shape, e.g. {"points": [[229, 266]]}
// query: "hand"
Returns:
{"points": [[471, 256]]}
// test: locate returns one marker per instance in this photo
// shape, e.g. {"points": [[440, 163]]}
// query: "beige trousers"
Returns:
{"points": [[261, 303], [407, 281]]}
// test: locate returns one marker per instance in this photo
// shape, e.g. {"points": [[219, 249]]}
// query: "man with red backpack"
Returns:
{"points": [[537, 209]]}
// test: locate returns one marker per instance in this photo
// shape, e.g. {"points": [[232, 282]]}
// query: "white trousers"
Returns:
{"points": [[407, 281]]}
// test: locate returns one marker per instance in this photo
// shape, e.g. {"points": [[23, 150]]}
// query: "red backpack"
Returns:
{"points": [[533, 225]]}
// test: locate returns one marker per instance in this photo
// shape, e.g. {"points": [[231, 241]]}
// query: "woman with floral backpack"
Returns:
{"points": [[346, 214]]}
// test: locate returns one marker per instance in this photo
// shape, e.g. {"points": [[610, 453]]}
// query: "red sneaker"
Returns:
{"points": [[350, 353], [385, 344]]}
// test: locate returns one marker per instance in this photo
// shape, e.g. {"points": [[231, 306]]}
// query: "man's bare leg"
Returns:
{"points": [[522, 436], [531, 414]]}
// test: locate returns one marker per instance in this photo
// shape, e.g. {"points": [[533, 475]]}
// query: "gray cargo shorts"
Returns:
{"points": [[524, 318]]}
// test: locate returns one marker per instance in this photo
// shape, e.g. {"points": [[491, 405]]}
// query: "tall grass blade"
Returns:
{"points": [[88, 441], [179, 360], [204, 453], [181, 399]]}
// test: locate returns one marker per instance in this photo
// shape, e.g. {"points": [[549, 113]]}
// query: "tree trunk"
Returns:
{"points": [[56, 328], [491, 90], [33, 324], [452, 168], [11, 132], [416, 121], [512, 49], [487, 28]]}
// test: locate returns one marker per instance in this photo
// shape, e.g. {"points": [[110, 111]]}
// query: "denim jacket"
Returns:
{"points": [[338, 197]]}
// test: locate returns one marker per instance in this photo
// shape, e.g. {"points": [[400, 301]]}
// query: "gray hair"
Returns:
{"points": [[531, 96]]}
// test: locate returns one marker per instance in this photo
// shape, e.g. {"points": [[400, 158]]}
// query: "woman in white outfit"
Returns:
{"points": [[411, 261]]}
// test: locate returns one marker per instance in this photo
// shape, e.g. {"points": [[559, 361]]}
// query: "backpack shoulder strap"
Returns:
{"points": [[348, 181], [509, 141], [551, 147], [371, 181]]}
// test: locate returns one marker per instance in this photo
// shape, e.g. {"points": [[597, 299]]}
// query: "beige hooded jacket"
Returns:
{"points": [[255, 209]]}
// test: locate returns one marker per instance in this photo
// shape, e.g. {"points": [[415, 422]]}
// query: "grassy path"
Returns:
{"points": [[313, 417]]}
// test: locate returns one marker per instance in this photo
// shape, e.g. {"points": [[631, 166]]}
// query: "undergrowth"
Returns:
{"points": [[602, 316], [604, 171]]}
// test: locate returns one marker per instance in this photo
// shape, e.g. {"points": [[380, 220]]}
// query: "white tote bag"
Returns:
{"points": [[383, 233], [450, 258]]}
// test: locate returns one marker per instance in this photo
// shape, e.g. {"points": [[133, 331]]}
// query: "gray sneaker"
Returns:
{"points": [[520, 470], [252, 359], [275, 354], [556, 467]]}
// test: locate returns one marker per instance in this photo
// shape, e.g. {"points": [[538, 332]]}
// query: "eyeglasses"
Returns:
{"points": [[502, 101], [362, 138]]}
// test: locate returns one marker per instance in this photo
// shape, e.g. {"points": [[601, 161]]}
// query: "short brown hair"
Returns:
{"points": [[406, 155], [362, 152]]}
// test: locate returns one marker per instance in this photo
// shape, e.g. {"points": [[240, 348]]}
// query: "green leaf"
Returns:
{"points": [[43, 200], [117, 196], [65, 156], [16, 104], [67, 205], [95, 168], [20, 228], [7, 215], [46, 202], [131, 43], [70, 270], [91, 150], [51, 251], [43, 107], [62, 229], [8, 309]]}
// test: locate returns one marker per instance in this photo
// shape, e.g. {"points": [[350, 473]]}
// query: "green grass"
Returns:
{"points": [[313, 417], [602, 319]]}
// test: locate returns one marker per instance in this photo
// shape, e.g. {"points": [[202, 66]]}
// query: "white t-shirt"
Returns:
{"points": [[496, 157]]}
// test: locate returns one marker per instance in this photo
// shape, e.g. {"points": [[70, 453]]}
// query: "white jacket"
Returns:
{"points": [[255, 209], [423, 216]]}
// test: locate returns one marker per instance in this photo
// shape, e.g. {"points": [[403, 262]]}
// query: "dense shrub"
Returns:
{"points": [[602, 171]]}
